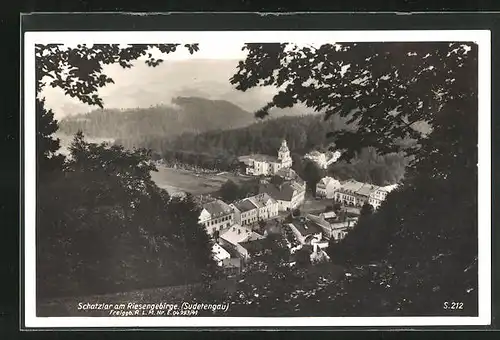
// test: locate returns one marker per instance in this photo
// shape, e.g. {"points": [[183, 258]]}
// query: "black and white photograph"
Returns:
{"points": [[257, 178]]}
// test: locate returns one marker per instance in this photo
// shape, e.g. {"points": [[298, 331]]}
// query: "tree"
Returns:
{"points": [[312, 175], [366, 209], [303, 256], [103, 196], [78, 71], [230, 191], [47, 146], [416, 98], [276, 180]]}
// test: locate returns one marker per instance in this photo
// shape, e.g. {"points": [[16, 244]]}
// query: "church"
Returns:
{"points": [[266, 165]]}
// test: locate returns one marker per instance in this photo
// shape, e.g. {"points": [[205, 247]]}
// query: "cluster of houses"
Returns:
{"points": [[239, 228], [234, 245], [353, 193]]}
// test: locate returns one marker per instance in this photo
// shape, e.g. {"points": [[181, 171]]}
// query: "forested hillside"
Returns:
{"points": [[220, 149], [186, 114]]}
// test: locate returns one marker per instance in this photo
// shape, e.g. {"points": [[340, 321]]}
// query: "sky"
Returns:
{"points": [[205, 73]]}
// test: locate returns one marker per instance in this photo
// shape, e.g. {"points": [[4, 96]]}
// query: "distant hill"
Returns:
{"points": [[143, 86], [183, 115]]}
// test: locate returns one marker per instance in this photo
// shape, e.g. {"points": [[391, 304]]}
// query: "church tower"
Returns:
{"points": [[284, 155]]}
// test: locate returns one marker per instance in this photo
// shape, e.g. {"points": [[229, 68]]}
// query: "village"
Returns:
{"points": [[238, 228]]}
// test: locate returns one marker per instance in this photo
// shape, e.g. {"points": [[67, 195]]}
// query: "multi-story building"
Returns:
{"points": [[289, 195], [380, 194], [326, 187], [333, 228], [245, 212], [266, 165], [232, 237], [216, 216], [250, 210], [307, 232], [220, 254], [354, 193], [267, 206]]}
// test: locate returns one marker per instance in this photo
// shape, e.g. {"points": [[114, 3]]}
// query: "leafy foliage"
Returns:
{"points": [[420, 247], [312, 174], [105, 226], [47, 157], [230, 191], [78, 71]]}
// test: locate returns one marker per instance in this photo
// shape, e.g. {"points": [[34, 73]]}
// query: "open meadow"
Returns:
{"points": [[179, 180]]}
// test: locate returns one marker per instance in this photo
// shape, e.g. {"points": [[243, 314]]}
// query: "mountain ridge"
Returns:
{"points": [[183, 114]]}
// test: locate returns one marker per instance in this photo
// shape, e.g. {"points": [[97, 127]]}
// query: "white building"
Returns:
{"points": [[245, 212], [356, 193], [237, 234], [265, 165], [332, 227], [220, 254], [323, 160], [267, 206], [250, 210], [289, 195], [379, 195], [216, 216], [306, 232], [326, 187]]}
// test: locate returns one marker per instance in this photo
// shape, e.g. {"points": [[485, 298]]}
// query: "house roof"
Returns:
{"points": [[245, 205], [264, 158], [352, 185], [389, 188], [237, 234], [325, 181], [217, 208], [329, 214], [285, 193], [307, 227], [245, 159], [261, 200], [219, 252], [254, 246], [317, 220], [366, 189]]}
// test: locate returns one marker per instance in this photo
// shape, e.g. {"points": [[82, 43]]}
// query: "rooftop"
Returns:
{"points": [[352, 185], [217, 208], [219, 252], [307, 227], [326, 180], [317, 220], [285, 193], [237, 234], [367, 189], [255, 245], [245, 205], [264, 158], [389, 188], [261, 200]]}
